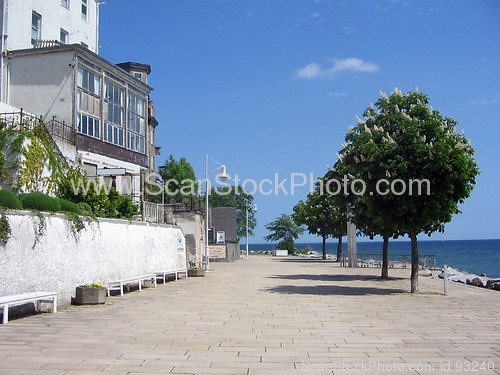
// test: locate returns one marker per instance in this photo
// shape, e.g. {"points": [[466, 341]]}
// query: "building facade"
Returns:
{"points": [[51, 68], [38, 23], [105, 106]]}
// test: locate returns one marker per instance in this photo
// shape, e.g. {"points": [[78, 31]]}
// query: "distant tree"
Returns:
{"points": [[228, 196], [179, 179], [284, 230], [323, 215], [403, 143]]}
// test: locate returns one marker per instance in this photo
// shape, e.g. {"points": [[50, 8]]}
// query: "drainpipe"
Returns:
{"points": [[5, 15]]}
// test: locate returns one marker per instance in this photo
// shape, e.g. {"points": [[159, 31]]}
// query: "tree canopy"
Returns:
{"points": [[414, 165], [179, 178], [284, 230], [323, 214]]}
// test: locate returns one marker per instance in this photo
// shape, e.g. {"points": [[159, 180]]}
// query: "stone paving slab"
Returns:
{"points": [[266, 315]]}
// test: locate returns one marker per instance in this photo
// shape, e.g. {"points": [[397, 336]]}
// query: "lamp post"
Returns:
{"points": [[223, 176], [254, 210]]}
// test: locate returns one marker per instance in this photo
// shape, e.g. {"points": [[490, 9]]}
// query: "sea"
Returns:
{"points": [[472, 256]]}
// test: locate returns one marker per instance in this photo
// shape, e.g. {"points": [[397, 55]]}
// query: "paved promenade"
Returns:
{"points": [[267, 316]]}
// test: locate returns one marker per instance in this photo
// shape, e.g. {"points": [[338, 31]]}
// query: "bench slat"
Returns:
{"points": [[20, 299], [163, 274], [119, 284]]}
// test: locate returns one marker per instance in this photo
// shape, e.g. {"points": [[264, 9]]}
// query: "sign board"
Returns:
{"points": [[181, 242], [217, 251], [221, 236]]}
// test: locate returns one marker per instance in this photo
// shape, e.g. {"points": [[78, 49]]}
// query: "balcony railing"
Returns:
{"points": [[19, 120], [47, 43]]}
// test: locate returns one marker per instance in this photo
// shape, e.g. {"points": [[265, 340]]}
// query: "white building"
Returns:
{"points": [[29, 23], [98, 112]]}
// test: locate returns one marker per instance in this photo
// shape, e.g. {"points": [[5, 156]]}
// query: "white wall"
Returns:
{"points": [[103, 251], [17, 25], [43, 84]]}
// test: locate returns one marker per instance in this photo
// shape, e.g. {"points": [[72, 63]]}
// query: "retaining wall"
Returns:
{"points": [[48, 254]]}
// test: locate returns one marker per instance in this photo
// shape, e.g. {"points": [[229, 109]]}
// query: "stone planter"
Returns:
{"points": [[90, 296], [196, 273]]}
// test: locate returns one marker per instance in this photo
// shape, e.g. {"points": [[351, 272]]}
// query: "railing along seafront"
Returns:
{"points": [[163, 213], [425, 261]]}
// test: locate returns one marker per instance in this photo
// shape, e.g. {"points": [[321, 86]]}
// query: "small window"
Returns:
{"points": [[84, 10], [138, 75], [65, 3], [64, 36], [36, 27]]}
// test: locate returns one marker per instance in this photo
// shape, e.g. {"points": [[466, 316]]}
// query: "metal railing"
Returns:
{"points": [[425, 261], [163, 213], [47, 43], [61, 131], [153, 213], [184, 204], [19, 120]]}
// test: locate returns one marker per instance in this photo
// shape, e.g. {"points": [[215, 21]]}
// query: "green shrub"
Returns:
{"points": [[39, 201], [125, 208], [67, 206], [10, 200], [85, 209]]}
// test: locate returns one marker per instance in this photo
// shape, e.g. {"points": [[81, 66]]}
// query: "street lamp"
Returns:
{"points": [[254, 210], [223, 176]]}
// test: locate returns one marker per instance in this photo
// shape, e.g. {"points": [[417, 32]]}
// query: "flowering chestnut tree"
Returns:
{"points": [[416, 169]]}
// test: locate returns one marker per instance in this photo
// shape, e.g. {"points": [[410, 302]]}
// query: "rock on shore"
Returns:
{"points": [[471, 279]]}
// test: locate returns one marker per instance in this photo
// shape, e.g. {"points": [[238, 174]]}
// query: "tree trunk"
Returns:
{"points": [[385, 259], [324, 247], [414, 262], [339, 249]]}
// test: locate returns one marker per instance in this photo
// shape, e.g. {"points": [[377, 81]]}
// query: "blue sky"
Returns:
{"points": [[269, 87]]}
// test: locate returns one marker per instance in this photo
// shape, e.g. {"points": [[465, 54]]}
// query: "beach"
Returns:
{"points": [[267, 315]]}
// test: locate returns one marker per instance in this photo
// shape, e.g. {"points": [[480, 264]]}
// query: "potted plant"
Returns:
{"points": [[196, 272], [91, 294]]}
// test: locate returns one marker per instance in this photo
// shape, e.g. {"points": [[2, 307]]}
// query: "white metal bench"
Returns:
{"points": [[119, 284], [20, 299], [162, 275]]}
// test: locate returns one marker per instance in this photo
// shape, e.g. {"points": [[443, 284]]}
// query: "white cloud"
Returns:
{"points": [[314, 70], [310, 71]]}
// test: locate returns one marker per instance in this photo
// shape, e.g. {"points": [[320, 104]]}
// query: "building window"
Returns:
{"points": [[136, 123], [36, 27], [88, 125], [85, 9], [64, 36], [65, 3], [88, 102], [88, 81], [114, 114]]}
